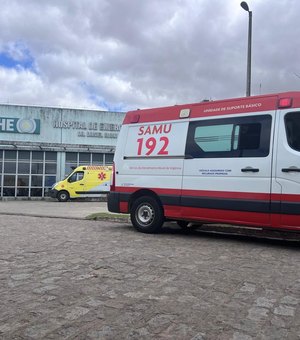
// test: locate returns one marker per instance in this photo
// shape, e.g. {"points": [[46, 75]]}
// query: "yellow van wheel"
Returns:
{"points": [[63, 196]]}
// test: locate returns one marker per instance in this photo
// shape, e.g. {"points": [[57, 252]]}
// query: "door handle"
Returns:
{"points": [[81, 184], [291, 169], [249, 169]]}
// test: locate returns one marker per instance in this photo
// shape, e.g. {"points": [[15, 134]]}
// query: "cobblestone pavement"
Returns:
{"points": [[77, 279]]}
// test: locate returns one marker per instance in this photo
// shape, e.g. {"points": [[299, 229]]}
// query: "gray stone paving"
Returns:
{"points": [[76, 279]]}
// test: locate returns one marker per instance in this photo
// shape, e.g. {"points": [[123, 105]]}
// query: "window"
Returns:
{"points": [[49, 181], [292, 127], [84, 158], [23, 168], [50, 168], [97, 158], [229, 137], [27, 173], [23, 181], [37, 192], [11, 155], [37, 155], [9, 180], [77, 176], [36, 181], [37, 168], [10, 167], [74, 159], [109, 157], [71, 157], [24, 155], [50, 156], [214, 138]]}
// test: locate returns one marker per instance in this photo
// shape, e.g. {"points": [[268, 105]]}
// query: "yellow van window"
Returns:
{"points": [[77, 176]]}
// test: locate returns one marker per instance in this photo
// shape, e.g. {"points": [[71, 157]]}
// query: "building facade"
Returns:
{"points": [[40, 145]]}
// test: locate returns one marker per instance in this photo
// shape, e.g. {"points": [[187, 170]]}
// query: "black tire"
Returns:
{"points": [[63, 196], [147, 215]]}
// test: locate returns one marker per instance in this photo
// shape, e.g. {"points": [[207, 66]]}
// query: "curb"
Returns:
{"points": [[105, 218]]}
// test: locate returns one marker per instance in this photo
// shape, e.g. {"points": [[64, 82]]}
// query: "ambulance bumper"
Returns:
{"points": [[113, 202], [53, 193]]}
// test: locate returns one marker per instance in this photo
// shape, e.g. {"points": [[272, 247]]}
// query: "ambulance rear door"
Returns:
{"points": [[153, 159]]}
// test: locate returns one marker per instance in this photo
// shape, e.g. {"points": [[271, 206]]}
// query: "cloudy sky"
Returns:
{"points": [[126, 54]]}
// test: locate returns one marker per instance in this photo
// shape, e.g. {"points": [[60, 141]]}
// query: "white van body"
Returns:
{"points": [[233, 161]]}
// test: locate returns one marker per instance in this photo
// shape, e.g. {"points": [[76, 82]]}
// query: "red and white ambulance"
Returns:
{"points": [[234, 161]]}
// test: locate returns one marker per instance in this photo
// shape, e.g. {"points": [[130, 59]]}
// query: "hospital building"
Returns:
{"points": [[40, 145]]}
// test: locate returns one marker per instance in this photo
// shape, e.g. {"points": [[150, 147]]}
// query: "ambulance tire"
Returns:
{"points": [[146, 215], [63, 196]]}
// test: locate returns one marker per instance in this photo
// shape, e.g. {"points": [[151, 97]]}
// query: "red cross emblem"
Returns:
{"points": [[102, 176]]}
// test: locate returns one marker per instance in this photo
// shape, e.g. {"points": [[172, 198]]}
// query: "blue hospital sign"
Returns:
{"points": [[20, 125]]}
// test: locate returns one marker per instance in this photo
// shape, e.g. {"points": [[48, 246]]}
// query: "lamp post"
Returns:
{"points": [[245, 6]]}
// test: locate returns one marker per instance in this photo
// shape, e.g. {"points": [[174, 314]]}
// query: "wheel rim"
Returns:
{"points": [[145, 214], [63, 197]]}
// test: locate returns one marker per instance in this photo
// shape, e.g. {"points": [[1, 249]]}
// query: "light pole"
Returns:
{"points": [[245, 6]]}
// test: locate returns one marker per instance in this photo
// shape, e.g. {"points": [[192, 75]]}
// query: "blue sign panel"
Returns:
{"points": [[20, 125]]}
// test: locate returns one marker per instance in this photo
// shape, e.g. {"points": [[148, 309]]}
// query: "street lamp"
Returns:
{"points": [[245, 6]]}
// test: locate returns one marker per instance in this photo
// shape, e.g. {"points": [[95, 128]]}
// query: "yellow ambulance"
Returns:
{"points": [[84, 181]]}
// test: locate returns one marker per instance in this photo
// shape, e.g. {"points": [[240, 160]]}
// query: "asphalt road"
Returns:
{"points": [[64, 278]]}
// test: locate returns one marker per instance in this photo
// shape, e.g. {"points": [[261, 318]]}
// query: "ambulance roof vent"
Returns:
{"points": [[184, 113]]}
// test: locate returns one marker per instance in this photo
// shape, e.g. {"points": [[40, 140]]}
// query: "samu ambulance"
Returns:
{"points": [[84, 181], [234, 161]]}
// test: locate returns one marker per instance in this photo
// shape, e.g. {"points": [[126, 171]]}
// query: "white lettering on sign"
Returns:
{"points": [[7, 124], [234, 107]]}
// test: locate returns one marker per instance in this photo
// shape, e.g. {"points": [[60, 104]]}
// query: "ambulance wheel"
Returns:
{"points": [[63, 196], [147, 215]]}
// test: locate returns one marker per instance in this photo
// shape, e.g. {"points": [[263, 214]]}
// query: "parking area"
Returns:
{"points": [[77, 279]]}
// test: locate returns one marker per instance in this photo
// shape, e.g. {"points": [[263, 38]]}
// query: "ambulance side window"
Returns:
{"points": [[229, 137], [292, 127], [77, 176]]}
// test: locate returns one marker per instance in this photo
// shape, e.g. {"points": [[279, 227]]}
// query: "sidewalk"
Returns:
{"points": [[47, 208]]}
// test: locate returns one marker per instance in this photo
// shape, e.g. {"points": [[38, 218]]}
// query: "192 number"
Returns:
{"points": [[151, 143]]}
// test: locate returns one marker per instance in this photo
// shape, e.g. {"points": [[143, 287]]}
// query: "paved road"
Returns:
{"points": [[52, 208], [77, 279]]}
